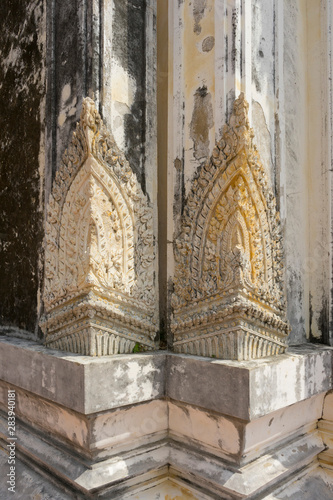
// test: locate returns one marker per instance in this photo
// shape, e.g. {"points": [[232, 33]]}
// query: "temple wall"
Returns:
{"points": [[22, 97], [277, 54], [163, 76], [209, 61], [54, 54], [319, 72]]}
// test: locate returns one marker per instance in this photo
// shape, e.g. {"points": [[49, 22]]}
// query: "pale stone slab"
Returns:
{"points": [[48, 417], [202, 470], [328, 406], [122, 380], [303, 372], [127, 429], [253, 479], [87, 475], [107, 392], [211, 384], [325, 425], [215, 434], [104, 434], [270, 430], [239, 441], [50, 374], [82, 383], [265, 385], [245, 390]]}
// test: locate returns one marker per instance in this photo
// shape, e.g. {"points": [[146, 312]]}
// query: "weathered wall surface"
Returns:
{"points": [[54, 54], [22, 91], [106, 52], [319, 102], [277, 53], [127, 73], [293, 166]]}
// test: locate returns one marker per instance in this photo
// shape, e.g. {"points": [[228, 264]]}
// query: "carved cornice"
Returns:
{"points": [[229, 259]]}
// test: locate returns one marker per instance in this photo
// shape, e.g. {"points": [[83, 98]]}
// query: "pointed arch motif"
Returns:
{"points": [[99, 289], [229, 298]]}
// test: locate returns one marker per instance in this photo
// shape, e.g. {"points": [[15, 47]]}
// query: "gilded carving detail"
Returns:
{"points": [[229, 299], [99, 257]]}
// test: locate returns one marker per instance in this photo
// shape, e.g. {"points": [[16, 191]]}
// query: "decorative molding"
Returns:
{"points": [[229, 299], [99, 291]]}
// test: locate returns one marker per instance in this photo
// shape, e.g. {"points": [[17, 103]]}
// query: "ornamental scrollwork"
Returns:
{"points": [[99, 248], [229, 294]]}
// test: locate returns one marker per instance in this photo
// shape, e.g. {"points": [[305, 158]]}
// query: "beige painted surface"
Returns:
{"points": [[215, 433], [48, 417], [128, 428], [281, 425], [328, 407]]}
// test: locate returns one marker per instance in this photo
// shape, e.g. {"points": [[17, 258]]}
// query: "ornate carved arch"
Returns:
{"points": [[99, 249], [229, 290]]}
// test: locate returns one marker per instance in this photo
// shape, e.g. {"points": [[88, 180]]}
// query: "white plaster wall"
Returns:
{"points": [[294, 190], [319, 17]]}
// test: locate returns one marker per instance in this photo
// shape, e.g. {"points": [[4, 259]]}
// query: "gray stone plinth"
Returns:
{"points": [[120, 425]]}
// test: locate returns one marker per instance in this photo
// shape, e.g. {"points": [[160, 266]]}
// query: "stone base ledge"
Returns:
{"points": [[109, 427], [245, 390]]}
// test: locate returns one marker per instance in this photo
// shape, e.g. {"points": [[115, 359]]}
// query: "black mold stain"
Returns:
{"points": [[199, 7], [21, 93], [75, 48], [69, 63], [256, 77], [234, 34], [295, 297], [277, 162], [179, 199], [129, 46], [323, 323], [202, 121]]}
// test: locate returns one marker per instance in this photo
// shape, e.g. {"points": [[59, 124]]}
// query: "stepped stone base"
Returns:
{"points": [[142, 425]]}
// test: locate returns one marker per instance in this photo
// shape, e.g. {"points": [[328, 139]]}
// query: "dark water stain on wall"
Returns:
{"points": [[322, 322], [21, 92], [199, 7], [202, 121], [179, 192], [129, 45], [295, 296], [75, 61], [71, 60]]}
